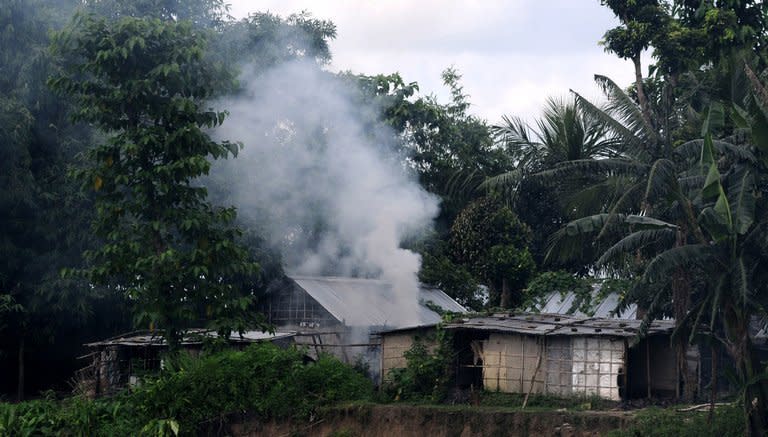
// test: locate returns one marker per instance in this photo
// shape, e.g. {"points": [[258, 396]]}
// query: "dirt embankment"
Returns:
{"points": [[418, 421]]}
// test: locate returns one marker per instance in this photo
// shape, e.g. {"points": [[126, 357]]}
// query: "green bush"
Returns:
{"points": [[263, 381], [727, 421], [426, 375]]}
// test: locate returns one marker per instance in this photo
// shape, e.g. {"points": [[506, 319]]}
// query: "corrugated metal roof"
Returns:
{"points": [[558, 324], [191, 337], [604, 306], [373, 303]]}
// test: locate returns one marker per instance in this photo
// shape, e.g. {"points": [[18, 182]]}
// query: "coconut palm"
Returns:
{"points": [[563, 133]]}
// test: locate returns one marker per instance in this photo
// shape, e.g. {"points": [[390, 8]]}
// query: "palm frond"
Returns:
{"points": [[622, 201], [631, 142], [464, 184], [690, 150], [569, 242], [621, 104], [661, 181], [741, 195], [663, 265], [636, 241], [740, 282], [592, 167], [508, 181]]}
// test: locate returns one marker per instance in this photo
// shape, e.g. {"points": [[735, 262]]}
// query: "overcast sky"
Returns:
{"points": [[512, 53]]}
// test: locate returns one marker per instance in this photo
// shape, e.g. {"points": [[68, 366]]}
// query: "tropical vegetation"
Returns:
{"points": [[107, 219]]}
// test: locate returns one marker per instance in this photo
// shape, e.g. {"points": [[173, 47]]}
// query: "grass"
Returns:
{"points": [[668, 422]]}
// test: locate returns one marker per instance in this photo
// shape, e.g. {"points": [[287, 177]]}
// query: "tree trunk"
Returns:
{"points": [[642, 99], [20, 382], [681, 293], [506, 295], [681, 301], [713, 385], [755, 395]]}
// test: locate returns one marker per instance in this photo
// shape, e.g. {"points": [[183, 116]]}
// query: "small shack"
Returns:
{"points": [[565, 355], [122, 360]]}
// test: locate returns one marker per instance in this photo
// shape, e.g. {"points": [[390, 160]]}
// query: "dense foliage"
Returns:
{"points": [[198, 394], [658, 194]]}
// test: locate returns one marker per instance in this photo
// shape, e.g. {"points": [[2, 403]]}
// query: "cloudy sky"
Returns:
{"points": [[512, 53]]}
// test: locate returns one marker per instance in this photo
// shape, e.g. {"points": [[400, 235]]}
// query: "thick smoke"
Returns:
{"points": [[322, 181]]}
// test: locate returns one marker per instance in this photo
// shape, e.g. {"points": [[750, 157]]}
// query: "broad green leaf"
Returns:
{"points": [[712, 186], [723, 209], [648, 222], [707, 156], [715, 118], [742, 197], [713, 223]]}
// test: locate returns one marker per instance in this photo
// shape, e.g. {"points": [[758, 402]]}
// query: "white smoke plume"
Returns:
{"points": [[321, 181]]}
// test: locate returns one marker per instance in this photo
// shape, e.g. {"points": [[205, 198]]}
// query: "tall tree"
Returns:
{"points": [[144, 83]]}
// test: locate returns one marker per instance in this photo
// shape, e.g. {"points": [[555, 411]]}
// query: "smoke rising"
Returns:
{"points": [[321, 180]]}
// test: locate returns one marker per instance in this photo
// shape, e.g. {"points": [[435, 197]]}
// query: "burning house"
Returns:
{"points": [[343, 316]]}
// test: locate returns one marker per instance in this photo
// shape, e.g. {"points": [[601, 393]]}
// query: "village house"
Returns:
{"points": [[558, 349], [565, 355]]}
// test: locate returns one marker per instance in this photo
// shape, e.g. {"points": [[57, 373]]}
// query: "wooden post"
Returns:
{"points": [[535, 372], [626, 370], [680, 367], [648, 365], [20, 383], [713, 383]]}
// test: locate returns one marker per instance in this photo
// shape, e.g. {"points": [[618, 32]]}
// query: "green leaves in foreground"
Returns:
{"points": [[262, 381]]}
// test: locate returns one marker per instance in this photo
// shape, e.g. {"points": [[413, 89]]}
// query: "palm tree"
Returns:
{"points": [[699, 221], [563, 133]]}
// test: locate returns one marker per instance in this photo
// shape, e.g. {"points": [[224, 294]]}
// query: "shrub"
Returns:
{"points": [[426, 375], [262, 380]]}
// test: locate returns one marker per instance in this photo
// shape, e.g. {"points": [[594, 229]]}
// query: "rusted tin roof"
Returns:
{"points": [[191, 337], [559, 324]]}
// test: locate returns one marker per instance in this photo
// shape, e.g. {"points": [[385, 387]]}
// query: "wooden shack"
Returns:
{"points": [[566, 355], [121, 361]]}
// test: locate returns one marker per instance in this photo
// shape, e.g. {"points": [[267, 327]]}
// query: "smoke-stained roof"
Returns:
{"points": [[373, 303]]}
